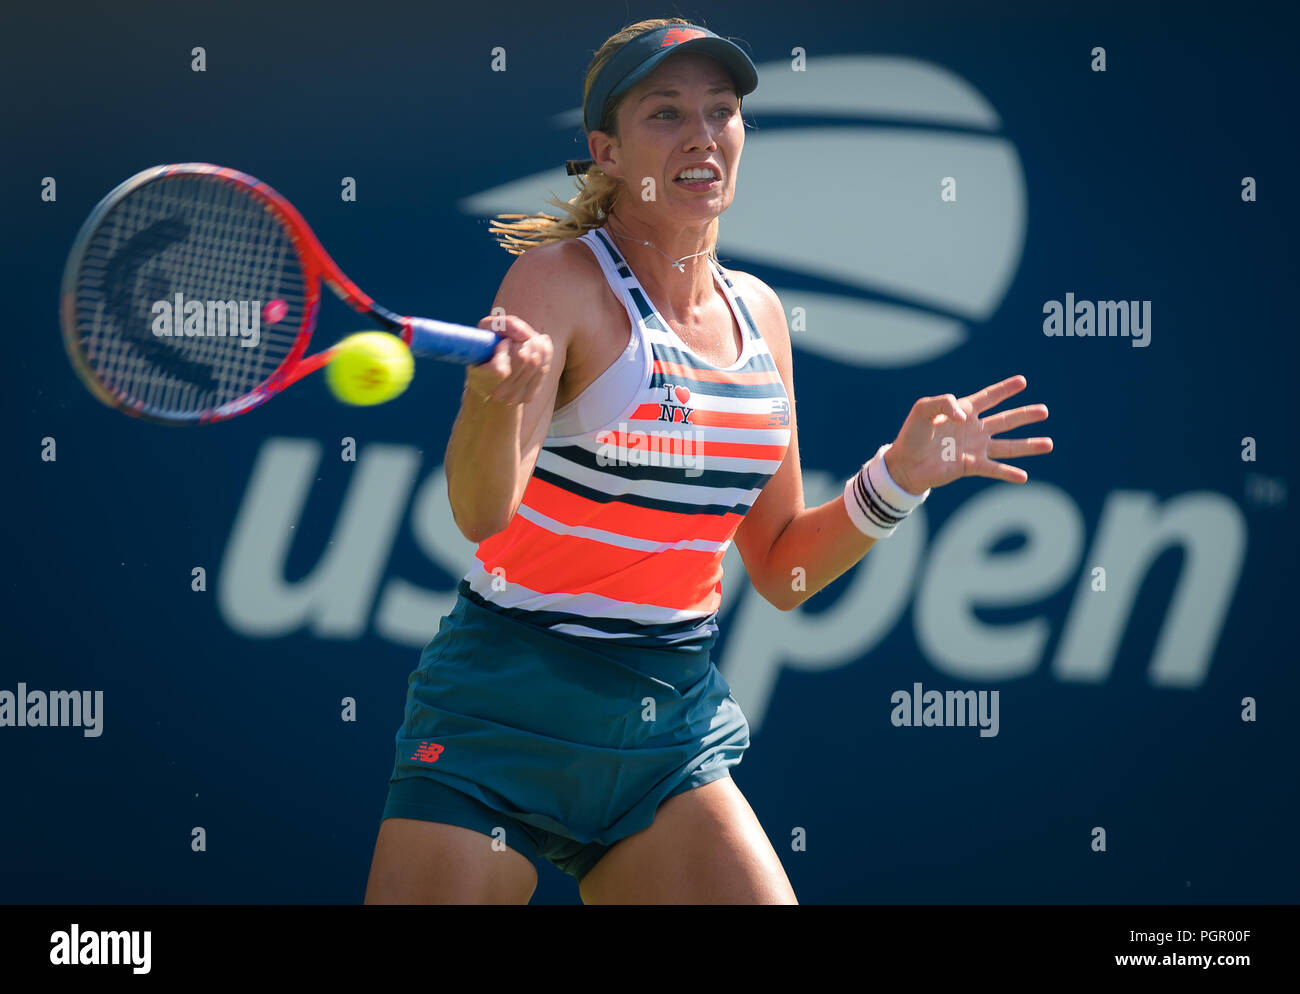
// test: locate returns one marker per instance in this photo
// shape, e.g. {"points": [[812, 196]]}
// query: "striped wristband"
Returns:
{"points": [[876, 504]]}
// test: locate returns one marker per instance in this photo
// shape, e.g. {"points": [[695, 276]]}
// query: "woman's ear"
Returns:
{"points": [[604, 153]]}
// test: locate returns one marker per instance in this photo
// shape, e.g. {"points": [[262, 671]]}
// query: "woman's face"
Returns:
{"points": [[684, 114]]}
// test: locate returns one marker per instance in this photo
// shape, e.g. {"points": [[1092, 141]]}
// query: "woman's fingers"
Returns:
{"points": [[993, 395], [920, 429], [929, 408], [508, 326], [530, 360], [1014, 448], [1001, 471], [518, 364], [996, 424]]}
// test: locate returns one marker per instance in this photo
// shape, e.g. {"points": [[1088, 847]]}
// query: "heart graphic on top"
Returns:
{"points": [[683, 395]]}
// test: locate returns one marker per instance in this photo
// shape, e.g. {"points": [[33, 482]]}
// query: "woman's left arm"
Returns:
{"points": [[790, 551]]}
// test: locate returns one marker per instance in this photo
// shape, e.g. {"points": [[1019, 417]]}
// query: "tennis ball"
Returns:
{"points": [[370, 367]]}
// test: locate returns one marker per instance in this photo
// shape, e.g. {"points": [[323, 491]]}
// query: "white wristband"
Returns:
{"points": [[875, 503]]}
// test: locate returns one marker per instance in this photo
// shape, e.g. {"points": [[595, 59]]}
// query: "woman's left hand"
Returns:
{"points": [[943, 439]]}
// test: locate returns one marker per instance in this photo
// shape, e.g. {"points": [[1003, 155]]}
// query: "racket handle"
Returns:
{"points": [[457, 343]]}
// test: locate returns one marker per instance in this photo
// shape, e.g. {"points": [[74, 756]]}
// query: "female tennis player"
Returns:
{"points": [[637, 417]]}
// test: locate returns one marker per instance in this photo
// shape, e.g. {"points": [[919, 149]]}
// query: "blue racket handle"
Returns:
{"points": [[457, 343]]}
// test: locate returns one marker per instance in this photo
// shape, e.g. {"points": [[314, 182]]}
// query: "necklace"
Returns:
{"points": [[677, 263]]}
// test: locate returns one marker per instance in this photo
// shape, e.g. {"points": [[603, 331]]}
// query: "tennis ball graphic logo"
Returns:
{"points": [[860, 205], [370, 367], [841, 183]]}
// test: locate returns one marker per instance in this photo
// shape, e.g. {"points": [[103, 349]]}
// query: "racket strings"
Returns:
{"points": [[215, 245]]}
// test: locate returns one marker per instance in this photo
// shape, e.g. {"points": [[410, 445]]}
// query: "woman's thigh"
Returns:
{"points": [[705, 846], [427, 862]]}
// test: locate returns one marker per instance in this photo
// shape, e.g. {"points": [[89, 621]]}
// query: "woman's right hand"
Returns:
{"points": [[518, 366]]}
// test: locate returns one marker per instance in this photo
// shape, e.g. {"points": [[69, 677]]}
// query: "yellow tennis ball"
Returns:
{"points": [[370, 367]]}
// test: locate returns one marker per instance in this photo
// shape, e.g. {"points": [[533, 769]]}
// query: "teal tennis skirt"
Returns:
{"points": [[563, 745]]}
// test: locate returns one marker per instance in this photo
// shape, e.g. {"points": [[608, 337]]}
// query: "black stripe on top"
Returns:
{"points": [[645, 309], [610, 250], [758, 391], [749, 318], [639, 500]]}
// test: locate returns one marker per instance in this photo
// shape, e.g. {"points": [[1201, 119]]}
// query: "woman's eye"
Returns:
{"points": [[723, 111]]}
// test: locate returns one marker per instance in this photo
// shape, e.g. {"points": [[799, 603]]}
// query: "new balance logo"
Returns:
{"points": [[677, 35], [428, 752]]}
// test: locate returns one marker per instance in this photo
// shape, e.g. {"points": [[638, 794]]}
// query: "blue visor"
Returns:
{"points": [[638, 58]]}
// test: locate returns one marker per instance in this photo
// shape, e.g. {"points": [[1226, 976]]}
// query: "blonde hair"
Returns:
{"points": [[597, 190]]}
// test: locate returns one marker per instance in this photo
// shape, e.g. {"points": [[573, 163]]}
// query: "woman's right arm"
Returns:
{"points": [[507, 403]]}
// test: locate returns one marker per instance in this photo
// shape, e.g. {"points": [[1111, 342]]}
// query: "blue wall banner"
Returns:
{"points": [[210, 629]]}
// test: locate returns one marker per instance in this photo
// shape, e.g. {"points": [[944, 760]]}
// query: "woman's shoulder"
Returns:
{"points": [[558, 256], [564, 281]]}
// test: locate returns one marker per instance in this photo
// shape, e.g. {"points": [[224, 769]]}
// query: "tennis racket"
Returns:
{"points": [[192, 291]]}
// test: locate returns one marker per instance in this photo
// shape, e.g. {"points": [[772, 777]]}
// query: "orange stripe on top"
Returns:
{"points": [[716, 375], [647, 523], [678, 579], [672, 444]]}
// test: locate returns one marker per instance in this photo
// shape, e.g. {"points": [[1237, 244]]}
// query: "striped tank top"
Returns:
{"points": [[623, 526]]}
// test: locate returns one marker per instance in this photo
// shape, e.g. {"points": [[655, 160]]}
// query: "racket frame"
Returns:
{"points": [[316, 265]]}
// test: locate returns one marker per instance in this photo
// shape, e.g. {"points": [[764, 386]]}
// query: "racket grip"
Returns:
{"points": [[457, 343]]}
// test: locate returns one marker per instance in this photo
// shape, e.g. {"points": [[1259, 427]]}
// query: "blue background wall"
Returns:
{"points": [[222, 708]]}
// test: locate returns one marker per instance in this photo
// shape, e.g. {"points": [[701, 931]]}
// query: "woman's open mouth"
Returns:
{"points": [[698, 179]]}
